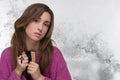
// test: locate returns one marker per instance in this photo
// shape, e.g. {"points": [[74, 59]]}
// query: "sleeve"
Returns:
{"points": [[46, 78], [59, 67], [6, 72], [62, 72]]}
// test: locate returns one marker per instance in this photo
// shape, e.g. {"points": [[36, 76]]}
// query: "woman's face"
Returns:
{"points": [[38, 28]]}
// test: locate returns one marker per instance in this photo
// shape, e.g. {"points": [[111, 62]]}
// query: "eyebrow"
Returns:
{"points": [[45, 20]]}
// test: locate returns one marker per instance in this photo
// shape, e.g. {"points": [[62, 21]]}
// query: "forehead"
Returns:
{"points": [[45, 16]]}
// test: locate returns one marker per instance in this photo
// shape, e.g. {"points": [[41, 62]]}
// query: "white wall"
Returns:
{"points": [[86, 31]]}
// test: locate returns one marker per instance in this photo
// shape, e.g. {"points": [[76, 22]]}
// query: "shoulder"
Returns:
{"points": [[58, 61], [7, 52], [56, 52], [57, 55]]}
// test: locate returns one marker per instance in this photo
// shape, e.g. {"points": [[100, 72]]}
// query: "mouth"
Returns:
{"points": [[38, 34]]}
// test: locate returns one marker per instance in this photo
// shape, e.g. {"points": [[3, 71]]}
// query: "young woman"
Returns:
{"points": [[33, 31]]}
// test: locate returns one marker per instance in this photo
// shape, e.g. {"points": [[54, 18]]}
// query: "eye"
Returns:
{"points": [[35, 20], [47, 24]]}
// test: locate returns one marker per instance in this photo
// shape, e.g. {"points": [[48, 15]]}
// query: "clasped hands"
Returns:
{"points": [[33, 68]]}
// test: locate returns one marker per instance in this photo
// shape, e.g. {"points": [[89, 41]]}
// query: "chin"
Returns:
{"points": [[36, 39]]}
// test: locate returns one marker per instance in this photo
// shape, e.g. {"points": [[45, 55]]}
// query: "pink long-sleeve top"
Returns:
{"points": [[58, 69]]}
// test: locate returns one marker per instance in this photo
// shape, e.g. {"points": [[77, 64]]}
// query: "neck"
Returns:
{"points": [[32, 46]]}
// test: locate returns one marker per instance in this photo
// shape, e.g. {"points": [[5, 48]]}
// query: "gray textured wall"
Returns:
{"points": [[86, 31]]}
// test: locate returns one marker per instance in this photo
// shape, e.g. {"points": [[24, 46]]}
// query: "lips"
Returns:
{"points": [[37, 34]]}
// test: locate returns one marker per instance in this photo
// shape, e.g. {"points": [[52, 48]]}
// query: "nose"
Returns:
{"points": [[40, 27]]}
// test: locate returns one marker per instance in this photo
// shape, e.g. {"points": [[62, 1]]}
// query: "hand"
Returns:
{"points": [[34, 70], [21, 66]]}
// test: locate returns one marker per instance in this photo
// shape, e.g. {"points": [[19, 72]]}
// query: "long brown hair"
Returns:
{"points": [[18, 41]]}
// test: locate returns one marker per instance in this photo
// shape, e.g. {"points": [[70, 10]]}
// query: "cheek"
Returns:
{"points": [[30, 26], [28, 30], [45, 30]]}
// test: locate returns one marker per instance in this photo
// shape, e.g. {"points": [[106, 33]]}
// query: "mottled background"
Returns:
{"points": [[86, 31]]}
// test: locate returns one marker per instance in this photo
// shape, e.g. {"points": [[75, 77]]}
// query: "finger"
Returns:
{"points": [[26, 64], [23, 54], [33, 63], [18, 59], [25, 61], [23, 58], [30, 66], [26, 58], [29, 71]]}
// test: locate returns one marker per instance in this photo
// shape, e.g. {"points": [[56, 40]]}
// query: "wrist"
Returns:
{"points": [[18, 72], [41, 77]]}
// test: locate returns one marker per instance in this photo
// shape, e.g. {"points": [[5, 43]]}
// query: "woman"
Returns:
{"points": [[33, 31]]}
